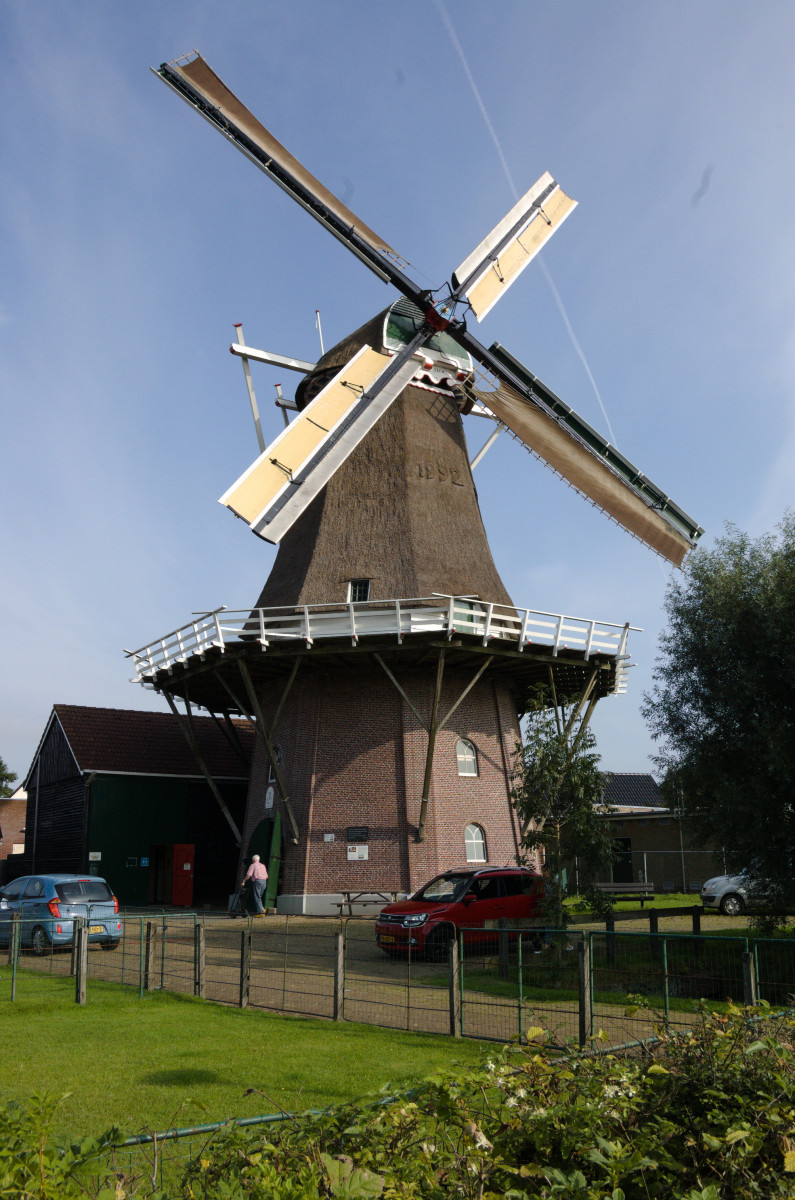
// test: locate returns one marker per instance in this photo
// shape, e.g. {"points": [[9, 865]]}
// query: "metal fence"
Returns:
{"points": [[573, 984]]}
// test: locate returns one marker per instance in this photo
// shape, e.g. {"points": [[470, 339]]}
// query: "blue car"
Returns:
{"points": [[49, 906]]}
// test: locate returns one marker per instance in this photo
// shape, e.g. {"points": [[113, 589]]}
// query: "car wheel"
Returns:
{"points": [[437, 945], [39, 942], [732, 905], [109, 945]]}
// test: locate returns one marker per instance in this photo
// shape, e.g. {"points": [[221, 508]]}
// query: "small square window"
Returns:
{"points": [[358, 590]]}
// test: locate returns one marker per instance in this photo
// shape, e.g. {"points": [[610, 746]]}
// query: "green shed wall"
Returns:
{"points": [[130, 814]]}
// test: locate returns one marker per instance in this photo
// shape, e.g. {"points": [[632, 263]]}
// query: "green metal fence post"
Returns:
{"points": [[141, 959], [163, 958], [519, 987], [461, 981], [590, 983], [666, 998]]}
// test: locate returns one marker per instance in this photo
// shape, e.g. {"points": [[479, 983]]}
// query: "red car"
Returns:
{"points": [[472, 900]]}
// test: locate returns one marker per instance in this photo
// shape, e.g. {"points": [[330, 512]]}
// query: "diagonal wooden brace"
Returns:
{"points": [[187, 729]]}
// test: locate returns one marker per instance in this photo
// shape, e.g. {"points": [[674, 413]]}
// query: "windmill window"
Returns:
{"points": [[358, 590], [467, 757], [475, 844]]}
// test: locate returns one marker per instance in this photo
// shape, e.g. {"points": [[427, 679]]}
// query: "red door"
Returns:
{"points": [[182, 876]]}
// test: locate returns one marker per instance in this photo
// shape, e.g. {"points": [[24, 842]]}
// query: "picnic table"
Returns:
{"points": [[364, 899]]}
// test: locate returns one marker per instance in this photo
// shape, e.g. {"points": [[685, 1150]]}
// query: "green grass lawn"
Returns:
{"points": [[166, 1060]]}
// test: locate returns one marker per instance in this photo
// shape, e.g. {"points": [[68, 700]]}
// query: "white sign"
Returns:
{"points": [[328, 837], [358, 852], [95, 856], [269, 798]]}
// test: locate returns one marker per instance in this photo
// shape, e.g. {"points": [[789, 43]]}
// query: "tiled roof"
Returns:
{"points": [[126, 741], [627, 790]]}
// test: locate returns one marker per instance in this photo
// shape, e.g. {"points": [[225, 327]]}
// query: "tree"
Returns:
{"points": [[723, 700], [558, 791], [6, 779]]}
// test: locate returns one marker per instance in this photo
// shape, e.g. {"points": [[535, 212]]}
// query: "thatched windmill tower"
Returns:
{"points": [[384, 663]]}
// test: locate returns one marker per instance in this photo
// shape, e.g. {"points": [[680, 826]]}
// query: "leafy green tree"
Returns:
{"points": [[723, 700], [558, 791], [6, 779]]}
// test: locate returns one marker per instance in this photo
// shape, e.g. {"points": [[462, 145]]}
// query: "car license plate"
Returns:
{"points": [[96, 929], [385, 937]]}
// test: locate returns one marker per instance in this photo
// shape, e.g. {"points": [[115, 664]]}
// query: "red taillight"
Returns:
{"points": [[53, 907], [58, 929], [115, 905]]}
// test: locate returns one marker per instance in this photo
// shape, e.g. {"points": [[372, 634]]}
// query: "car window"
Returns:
{"points": [[13, 890], [514, 885], [83, 891], [531, 884], [446, 888], [487, 887], [35, 889]]}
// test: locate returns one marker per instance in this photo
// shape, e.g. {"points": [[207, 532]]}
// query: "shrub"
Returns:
{"points": [[703, 1115]]}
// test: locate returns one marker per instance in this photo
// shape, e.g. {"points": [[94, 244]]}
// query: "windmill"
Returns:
{"points": [[384, 628]]}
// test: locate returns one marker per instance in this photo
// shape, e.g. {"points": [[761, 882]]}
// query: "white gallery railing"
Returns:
{"points": [[524, 628]]}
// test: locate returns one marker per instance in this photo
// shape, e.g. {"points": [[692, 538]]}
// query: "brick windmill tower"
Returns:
{"points": [[384, 664]]}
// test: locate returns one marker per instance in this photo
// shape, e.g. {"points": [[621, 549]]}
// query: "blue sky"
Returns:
{"points": [[133, 237]]}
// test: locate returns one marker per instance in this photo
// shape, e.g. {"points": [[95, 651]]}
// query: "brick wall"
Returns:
{"points": [[353, 754]]}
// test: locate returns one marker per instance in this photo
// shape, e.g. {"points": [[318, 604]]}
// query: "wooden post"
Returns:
{"points": [[584, 990], [610, 938], [81, 970], [454, 967], [432, 731], [13, 951], [749, 979], [245, 967], [149, 955], [504, 968], [13, 941], [697, 945], [339, 977], [198, 959], [654, 930]]}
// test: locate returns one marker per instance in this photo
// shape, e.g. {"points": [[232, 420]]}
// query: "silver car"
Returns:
{"points": [[732, 893]]}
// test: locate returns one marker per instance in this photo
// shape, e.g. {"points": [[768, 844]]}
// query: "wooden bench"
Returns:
{"points": [[628, 891]]}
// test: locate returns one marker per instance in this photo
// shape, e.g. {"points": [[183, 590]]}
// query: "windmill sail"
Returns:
{"points": [[199, 85], [273, 493], [501, 257], [289, 474], [554, 432]]}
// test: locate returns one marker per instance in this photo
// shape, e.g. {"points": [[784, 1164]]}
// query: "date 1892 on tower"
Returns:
{"points": [[438, 470]]}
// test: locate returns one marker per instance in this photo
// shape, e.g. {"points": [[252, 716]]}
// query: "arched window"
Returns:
{"points": [[467, 757], [475, 844]]}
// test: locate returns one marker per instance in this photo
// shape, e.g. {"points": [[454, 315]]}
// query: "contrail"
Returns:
{"points": [[493, 134]]}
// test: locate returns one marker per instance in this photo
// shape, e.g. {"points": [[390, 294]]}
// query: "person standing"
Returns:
{"points": [[258, 875]]}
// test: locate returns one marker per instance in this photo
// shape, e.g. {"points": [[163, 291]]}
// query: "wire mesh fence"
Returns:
{"points": [[497, 984]]}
